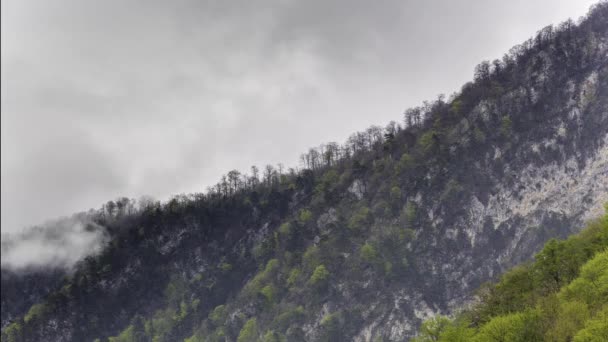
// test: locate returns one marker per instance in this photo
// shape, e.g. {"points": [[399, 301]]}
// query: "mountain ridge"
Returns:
{"points": [[418, 217]]}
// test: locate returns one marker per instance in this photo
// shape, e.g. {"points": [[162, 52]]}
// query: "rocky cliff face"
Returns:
{"points": [[543, 192], [365, 247]]}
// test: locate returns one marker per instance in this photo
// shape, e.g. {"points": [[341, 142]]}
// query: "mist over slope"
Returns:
{"points": [[58, 244], [370, 237]]}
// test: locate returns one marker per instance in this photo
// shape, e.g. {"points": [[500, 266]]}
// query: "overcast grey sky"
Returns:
{"points": [[121, 97]]}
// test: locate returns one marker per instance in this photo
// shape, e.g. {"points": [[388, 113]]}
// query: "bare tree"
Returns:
{"points": [[482, 71], [234, 177], [268, 173]]}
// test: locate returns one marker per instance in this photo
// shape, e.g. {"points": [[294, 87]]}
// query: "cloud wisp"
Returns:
{"points": [[55, 245]]}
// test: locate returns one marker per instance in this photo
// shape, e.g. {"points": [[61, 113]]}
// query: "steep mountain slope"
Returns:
{"points": [[371, 237], [561, 296]]}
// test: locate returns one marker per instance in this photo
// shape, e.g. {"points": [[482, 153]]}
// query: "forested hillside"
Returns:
{"points": [[365, 240], [561, 296]]}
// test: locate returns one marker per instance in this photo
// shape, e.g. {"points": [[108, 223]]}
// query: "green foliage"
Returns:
{"points": [[294, 274], [331, 327], [395, 194], [184, 309], [512, 293], [161, 325], [225, 267], [562, 296], [427, 141], [218, 315], [217, 335], [452, 192], [13, 332], [311, 257], [164, 322], [261, 279], [134, 332], [408, 214], [319, 276], [272, 266], [197, 278], [272, 336], [596, 329], [479, 135], [369, 253], [381, 209], [37, 311], [506, 126], [516, 327], [285, 229], [359, 219], [176, 291], [456, 106], [194, 338], [388, 268], [457, 332], [290, 316], [264, 248], [269, 292], [591, 287], [195, 304], [329, 180], [345, 177], [249, 332], [405, 163], [431, 329], [571, 318], [127, 335], [304, 216]]}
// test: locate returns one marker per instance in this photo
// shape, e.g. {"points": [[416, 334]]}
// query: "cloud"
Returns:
{"points": [[59, 244], [63, 171], [102, 99]]}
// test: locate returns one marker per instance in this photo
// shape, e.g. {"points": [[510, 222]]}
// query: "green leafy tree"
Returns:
{"points": [[285, 229], [506, 126], [562, 296], [405, 163], [596, 329], [272, 336], [37, 311], [13, 332], [571, 318], [408, 214], [218, 315], [269, 292], [331, 328], [395, 195], [479, 135], [294, 274], [304, 216], [359, 219], [369, 253], [517, 327], [428, 141], [319, 276], [431, 329], [249, 332]]}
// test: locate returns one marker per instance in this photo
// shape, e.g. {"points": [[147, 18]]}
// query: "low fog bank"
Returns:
{"points": [[57, 244]]}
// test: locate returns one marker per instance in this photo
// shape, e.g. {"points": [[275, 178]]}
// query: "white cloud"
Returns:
{"points": [[58, 244]]}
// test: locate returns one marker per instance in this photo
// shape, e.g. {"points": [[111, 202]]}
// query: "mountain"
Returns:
{"points": [[561, 296], [369, 238]]}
